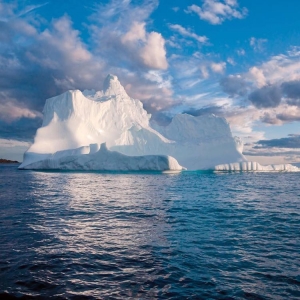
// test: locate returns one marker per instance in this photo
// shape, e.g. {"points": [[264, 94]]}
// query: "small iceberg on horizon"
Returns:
{"points": [[255, 167]]}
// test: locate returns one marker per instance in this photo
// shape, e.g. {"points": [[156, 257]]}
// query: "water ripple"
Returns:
{"points": [[149, 236]]}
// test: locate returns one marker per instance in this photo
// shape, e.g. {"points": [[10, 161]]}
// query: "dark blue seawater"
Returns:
{"points": [[149, 236]]}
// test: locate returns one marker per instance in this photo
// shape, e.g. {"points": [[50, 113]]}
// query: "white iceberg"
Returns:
{"points": [[104, 160], [74, 120], [255, 167], [75, 123]]}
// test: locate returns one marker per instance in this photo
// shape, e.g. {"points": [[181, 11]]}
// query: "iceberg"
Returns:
{"points": [[75, 120], [255, 167], [76, 123], [104, 160]]}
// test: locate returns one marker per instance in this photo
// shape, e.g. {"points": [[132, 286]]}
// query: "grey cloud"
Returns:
{"points": [[20, 129], [291, 90], [268, 96], [279, 118], [265, 97], [287, 118], [155, 105], [269, 119], [292, 141], [234, 85], [295, 102], [272, 154]]}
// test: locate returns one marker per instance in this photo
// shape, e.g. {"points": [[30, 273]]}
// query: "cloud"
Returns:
{"points": [[204, 71], [218, 67], [257, 44], [234, 85], [240, 52], [284, 113], [154, 89], [137, 32], [269, 153], [279, 68], [268, 85], [163, 79], [285, 150], [65, 41], [257, 76], [146, 49], [120, 36], [13, 149], [188, 33], [12, 110], [153, 53], [30, 8], [22, 128], [217, 11], [287, 118], [231, 61], [270, 119], [267, 96], [273, 155], [32, 68], [290, 142], [242, 120], [7, 143], [291, 89], [38, 64]]}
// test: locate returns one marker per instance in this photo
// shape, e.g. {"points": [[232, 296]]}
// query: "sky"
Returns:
{"points": [[239, 59]]}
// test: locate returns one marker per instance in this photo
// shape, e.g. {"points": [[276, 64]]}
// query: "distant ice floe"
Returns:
{"points": [[255, 167]]}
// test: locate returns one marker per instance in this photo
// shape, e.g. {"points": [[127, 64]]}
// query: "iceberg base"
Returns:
{"points": [[104, 160]]}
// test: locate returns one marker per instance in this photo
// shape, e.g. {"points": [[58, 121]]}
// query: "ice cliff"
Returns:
{"points": [[93, 158], [76, 122]]}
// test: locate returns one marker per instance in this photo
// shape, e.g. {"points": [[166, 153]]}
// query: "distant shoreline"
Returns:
{"points": [[7, 161]]}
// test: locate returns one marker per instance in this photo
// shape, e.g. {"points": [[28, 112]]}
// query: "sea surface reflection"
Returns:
{"points": [[149, 236]]}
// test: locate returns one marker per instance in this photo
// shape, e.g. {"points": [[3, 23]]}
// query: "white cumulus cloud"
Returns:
{"points": [[217, 11], [188, 33]]}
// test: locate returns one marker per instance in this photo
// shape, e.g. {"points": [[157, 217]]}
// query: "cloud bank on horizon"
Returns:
{"points": [[233, 58]]}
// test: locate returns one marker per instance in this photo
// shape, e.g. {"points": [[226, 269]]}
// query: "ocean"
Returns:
{"points": [[191, 235]]}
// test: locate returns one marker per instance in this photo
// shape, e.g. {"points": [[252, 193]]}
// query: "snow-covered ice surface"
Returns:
{"points": [[202, 142], [104, 160], [255, 167], [75, 120]]}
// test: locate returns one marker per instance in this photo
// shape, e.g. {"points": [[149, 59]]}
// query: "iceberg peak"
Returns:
{"points": [[112, 86]]}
